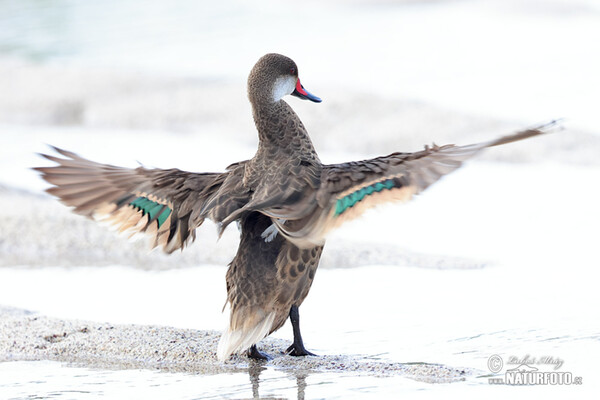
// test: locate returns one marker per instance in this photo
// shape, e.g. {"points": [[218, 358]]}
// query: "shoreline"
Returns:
{"points": [[28, 336]]}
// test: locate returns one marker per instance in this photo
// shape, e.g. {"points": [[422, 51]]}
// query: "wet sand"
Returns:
{"points": [[27, 336]]}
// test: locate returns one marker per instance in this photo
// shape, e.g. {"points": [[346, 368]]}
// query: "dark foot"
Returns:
{"points": [[254, 353], [298, 350]]}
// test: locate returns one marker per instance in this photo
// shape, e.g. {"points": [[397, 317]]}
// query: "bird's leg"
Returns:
{"points": [[254, 353], [297, 348]]}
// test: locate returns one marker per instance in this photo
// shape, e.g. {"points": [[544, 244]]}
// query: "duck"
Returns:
{"points": [[284, 199]]}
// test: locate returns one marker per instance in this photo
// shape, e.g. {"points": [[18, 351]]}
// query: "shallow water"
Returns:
{"points": [[46, 379], [413, 315]]}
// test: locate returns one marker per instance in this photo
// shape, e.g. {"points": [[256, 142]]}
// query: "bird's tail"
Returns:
{"points": [[241, 337]]}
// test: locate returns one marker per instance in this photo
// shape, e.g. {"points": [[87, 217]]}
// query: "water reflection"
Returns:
{"points": [[51, 379], [254, 372], [257, 367]]}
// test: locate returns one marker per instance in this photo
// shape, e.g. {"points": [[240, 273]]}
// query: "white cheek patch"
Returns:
{"points": [[283, 86]]}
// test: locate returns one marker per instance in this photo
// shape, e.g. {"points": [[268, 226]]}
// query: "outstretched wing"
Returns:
{"points": [[166, 204], [349, 189]]}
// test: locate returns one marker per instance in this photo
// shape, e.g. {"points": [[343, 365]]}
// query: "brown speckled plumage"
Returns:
{"points": [[284, 198]]}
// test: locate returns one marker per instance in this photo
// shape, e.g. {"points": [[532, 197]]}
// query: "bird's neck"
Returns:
{"points": [[280, 130]]}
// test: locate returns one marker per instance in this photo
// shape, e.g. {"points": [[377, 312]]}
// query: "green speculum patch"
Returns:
{"points": [[152, 208], [355, 197]]}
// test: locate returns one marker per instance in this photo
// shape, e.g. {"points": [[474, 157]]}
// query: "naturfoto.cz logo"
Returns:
{"points": [[526, 372]]}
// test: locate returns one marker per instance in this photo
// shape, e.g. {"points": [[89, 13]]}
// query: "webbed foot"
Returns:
{"points": [[255, 354], [298, 350]]}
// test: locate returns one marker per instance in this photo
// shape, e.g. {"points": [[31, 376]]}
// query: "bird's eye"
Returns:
{"points": [[292, 71]]}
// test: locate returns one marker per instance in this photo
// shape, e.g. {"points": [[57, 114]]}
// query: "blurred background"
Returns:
{"points": [[417, 70], [163, 83]]}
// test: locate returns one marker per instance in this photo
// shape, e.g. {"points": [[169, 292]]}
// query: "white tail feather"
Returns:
{"points": [[239, 340]]}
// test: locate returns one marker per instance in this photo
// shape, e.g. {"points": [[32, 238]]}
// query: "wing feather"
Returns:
{"points": [[347, 190], [164, 204]]}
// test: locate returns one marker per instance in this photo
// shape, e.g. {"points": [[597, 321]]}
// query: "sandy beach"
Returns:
{"points": [[28, 336]]}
